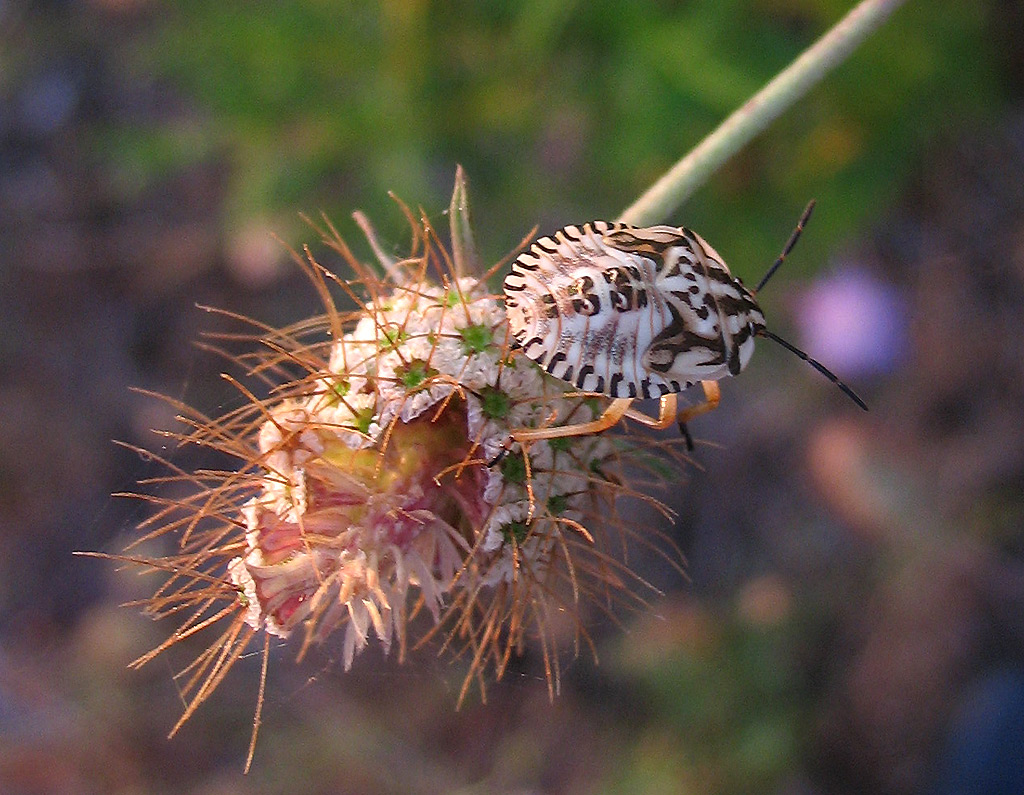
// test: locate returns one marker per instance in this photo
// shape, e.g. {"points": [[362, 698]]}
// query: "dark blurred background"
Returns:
{"points": [[854, 620]]}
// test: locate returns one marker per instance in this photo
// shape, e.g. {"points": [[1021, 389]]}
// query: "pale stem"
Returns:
{"points": [[758, 112]]}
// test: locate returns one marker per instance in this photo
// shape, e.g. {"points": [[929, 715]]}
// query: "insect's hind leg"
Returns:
{"points": [[615, 412]]}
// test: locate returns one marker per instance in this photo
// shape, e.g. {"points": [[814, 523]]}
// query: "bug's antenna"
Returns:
{"points": [[816, 365], [789, 246]]}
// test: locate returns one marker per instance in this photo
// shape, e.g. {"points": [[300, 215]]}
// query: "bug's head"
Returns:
{"points": [[756, 325], [741, 325], [750, 325]]}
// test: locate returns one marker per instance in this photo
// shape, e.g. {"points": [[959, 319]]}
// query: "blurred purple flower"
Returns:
{"points": [[854, 322]]}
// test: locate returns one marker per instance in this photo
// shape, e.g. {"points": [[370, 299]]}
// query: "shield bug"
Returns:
{"points": [[637, 313]]}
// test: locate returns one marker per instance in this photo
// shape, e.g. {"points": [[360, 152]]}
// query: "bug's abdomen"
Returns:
{"points": [[586, 312]]}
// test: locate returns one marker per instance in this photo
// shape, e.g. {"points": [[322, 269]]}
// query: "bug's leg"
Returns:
{"points": [[667, 411], [615, 412], [712, 395], [501, 455]]}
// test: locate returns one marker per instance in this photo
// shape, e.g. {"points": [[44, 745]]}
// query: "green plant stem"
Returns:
{"points": [[758, 112]]}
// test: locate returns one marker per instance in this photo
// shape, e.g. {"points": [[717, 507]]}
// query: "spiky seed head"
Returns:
{"points": [[366, 487]]}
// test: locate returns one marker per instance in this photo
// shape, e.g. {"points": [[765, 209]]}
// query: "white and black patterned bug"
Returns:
{"points": [[636, 313]]}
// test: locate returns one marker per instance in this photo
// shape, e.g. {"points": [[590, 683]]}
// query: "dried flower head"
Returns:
{"points": [[377, 481]]}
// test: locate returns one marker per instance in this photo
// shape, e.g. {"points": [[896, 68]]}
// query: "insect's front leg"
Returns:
{"points": [[668, 411], [712, 396]]}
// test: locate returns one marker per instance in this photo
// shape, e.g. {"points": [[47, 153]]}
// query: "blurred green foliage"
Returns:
{"points": [[560, 111], [727, 710]]}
